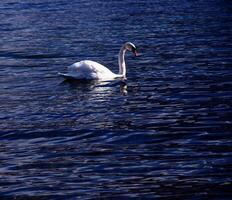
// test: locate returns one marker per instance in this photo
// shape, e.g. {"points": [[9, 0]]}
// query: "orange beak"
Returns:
{"points": [[135, 53]]}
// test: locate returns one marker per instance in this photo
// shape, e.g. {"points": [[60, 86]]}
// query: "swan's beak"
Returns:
{"points": [[135, 53]]}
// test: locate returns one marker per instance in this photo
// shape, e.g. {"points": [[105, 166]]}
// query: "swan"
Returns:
{"points": [[91, 70]]}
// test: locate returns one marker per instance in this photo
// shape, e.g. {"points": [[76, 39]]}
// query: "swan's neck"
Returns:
{"points": [[121, 61]]}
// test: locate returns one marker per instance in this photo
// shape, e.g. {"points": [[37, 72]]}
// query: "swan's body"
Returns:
{"points": [[90, 70]]}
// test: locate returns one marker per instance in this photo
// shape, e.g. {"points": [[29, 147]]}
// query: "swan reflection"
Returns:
{"points": [[123, 88], [98, 88]]}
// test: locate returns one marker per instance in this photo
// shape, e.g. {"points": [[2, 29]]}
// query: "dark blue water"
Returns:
{"points": [[164, 134]]}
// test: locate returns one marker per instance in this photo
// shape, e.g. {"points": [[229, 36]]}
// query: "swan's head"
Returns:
{"points": [[132, 48]]}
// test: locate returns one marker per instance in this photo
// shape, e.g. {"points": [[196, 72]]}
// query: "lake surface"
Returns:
{"points": [[165, 133]]}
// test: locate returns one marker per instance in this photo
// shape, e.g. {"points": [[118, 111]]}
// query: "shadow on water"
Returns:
{"points": [[96, 85], [80, 84]]}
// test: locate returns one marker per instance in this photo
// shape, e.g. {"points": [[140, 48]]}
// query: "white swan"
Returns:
{"points": [[90, 70]]}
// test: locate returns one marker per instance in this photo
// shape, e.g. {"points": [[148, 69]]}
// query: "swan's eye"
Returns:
{"points": [[134, 51]]}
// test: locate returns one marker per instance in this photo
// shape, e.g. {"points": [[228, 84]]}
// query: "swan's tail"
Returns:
{"points": [[66, 76]]}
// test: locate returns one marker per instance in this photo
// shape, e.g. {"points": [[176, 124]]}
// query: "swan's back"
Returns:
{"points": [[89, 70]]}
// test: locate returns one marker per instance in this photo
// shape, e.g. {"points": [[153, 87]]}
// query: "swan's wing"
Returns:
{"points": [[78, 71], [89, 70]]}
